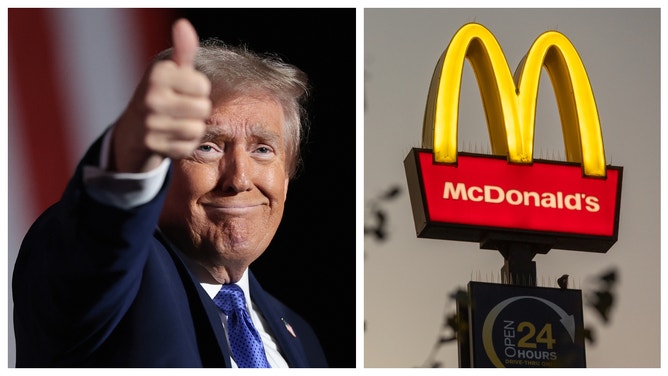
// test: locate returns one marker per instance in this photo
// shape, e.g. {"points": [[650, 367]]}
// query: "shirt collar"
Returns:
{"points": [[213, 288]]}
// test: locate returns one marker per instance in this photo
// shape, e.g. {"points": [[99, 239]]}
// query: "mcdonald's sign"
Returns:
{"points": [[509, 195]]}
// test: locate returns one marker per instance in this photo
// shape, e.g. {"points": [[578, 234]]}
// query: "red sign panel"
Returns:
{"points": [[485, 195]]}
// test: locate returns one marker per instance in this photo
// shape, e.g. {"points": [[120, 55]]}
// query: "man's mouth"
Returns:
{"points": [[232, 208]]}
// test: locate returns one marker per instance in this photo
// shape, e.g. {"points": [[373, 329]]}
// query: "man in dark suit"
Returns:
{"points": [[165, 212]]}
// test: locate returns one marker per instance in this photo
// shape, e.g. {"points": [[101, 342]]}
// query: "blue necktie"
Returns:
{"points": [[247, 348]]}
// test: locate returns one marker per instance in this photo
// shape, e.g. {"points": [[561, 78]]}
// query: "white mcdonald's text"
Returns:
{"points": [[496, 195]]}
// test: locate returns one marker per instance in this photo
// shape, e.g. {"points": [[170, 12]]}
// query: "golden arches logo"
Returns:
{"points": [[510, 102]]}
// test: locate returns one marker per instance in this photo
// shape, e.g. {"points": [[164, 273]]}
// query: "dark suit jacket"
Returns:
{"points": [[97, 286]]}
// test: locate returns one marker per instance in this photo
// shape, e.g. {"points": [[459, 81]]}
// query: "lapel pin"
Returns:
{"points": [[289, 328]]}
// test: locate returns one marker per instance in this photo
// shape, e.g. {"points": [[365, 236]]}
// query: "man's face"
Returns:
{"points": [[226, 201]]}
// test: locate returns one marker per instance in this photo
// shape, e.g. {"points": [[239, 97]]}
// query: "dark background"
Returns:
{"points": [[310, 265]]}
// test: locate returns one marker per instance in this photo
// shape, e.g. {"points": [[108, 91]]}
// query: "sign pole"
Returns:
{"points": [[518, 266]]}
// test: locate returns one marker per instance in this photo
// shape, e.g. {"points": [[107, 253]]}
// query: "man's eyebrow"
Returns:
{"points": [[213, 132], [263, 133], [257, 130]]}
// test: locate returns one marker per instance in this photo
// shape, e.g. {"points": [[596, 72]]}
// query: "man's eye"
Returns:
{"points": [[263, 150], [207, 152]]}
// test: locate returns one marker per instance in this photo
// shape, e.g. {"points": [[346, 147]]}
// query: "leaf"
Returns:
{"points": [[459, 295], [392, 193], [603, 303], [610, 277], [444, 340], [588, 334]]}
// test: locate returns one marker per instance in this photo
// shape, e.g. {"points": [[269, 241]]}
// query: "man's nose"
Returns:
{"points": [[236, 172]]}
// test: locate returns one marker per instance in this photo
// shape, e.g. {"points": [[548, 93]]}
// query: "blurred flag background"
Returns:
{"points": [[61, 96]]}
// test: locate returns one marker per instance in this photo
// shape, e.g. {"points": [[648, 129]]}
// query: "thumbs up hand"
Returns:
{"points": [[184, 39], [165, 117]]}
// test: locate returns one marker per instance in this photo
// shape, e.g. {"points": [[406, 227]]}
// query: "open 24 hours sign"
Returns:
{"points": [[525, 327]]}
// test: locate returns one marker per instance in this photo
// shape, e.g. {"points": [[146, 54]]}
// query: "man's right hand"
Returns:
{"points": [[165, 117]]}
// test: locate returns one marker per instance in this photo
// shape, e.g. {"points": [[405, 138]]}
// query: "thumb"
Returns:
{"points": [[186, 42]]}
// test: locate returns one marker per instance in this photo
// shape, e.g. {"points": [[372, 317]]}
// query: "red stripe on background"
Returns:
{"points": [[44, 143], [155, 26]]}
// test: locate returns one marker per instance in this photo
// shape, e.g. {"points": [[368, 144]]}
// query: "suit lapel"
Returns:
{"points": [[210, 333], [287, 339]]}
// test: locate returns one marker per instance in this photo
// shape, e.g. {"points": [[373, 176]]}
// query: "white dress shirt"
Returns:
{"points": [[127, 190]]}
